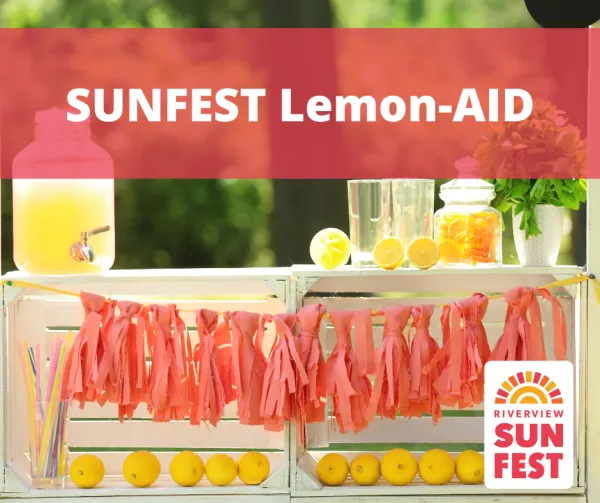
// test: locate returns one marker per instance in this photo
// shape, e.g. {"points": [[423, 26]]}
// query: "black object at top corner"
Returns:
{"points": [[564, 13]]}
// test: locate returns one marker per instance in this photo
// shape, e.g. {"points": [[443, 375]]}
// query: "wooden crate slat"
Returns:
{"points": [[177, 435], [467, 284], [109, 411], [402, 430]]}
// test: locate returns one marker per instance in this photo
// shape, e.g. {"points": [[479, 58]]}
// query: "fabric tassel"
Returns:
{"points": [[350, 393], [181, 341], [280, 386], [167, 394], [83, 359], [224, 357], [311, 398], [208, 396], [392, 380], [559, 324], [522, 338], [422, 350], [364, 343], [117, 375], [463, 355], [248, 366]]}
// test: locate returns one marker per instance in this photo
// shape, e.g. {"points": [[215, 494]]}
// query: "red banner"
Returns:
{"points": [[310, 103]]}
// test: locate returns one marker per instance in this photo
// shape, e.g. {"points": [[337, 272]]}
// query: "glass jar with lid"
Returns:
{"points": [[468, 229], [67, 225]]}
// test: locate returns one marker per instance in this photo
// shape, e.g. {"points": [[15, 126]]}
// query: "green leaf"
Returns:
{"points": [[553, 200], [537, 191], [519, 207], [580, 193], [519, 189], [570, 201], [503, 206], [558, 187]]}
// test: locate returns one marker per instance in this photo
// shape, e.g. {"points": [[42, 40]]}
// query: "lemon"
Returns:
{"points": [[87, 471], [186, 468], [141, 468], [365, 470], [253, 468], [422, 253], [469, 467], [221, 470], [398, 467], [330, 248], [388, 253], [332, 469], [436, 467]]}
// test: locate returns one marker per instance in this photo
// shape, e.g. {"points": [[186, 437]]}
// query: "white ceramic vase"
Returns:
{"points": [[540, 250]]}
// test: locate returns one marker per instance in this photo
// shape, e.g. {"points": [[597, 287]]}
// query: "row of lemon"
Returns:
{"points": [[142, 468], [331, 248], [399, 467]]}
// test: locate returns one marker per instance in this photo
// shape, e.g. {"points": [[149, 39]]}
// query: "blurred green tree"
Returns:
{"points": [[204, 223]]}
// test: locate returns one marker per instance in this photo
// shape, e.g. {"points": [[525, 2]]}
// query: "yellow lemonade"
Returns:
{"points": [[49, 217]]}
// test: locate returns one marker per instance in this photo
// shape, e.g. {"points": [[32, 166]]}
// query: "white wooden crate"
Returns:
{"points": [[348, 288], [40, 316]]}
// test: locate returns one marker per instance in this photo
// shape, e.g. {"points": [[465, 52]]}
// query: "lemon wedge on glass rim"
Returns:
{"points": [[330, 248]]}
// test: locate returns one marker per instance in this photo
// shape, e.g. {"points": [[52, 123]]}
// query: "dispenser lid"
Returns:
{"points": [[467, 187], [54, 115]]}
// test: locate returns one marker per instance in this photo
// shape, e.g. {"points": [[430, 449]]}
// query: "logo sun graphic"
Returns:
{"points": [[528, 388]]}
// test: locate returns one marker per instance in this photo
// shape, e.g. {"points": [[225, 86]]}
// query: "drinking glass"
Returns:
{"points": [[47, 413], [412, 208], [369, 209], [48, 445]]}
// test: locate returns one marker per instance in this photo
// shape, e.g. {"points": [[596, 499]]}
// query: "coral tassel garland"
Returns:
{"points": [[107, 362]]}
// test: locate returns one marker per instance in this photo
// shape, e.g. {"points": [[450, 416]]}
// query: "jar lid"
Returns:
{"points": [[54, 116], [467, 188]]}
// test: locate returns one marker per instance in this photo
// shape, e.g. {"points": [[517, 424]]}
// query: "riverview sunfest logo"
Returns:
{"points": [[529, 433]]}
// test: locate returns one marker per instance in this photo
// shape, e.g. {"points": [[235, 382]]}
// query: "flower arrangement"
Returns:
{"points": [[544, 145]]}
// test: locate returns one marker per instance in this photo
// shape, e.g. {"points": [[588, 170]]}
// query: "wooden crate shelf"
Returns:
{"points": [[48, 314]]}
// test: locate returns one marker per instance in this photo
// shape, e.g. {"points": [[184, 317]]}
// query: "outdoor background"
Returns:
{"points": [[219, 223]]}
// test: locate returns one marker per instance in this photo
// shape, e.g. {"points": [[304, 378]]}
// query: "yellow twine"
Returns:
{"points": [[555, 284]]}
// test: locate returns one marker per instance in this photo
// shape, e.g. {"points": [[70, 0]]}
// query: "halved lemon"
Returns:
{"points": [[388, 253], [422, 252], [330, 248]]}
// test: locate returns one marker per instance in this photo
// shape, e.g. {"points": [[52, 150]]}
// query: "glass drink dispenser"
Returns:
{"points": [[63, 226]]}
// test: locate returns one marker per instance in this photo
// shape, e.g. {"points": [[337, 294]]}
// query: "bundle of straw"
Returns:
{"points": [[47, 413]]}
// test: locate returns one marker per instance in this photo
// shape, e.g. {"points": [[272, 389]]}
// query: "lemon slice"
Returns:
{"points": [[388, 253], [422, 253], [330, 248]]}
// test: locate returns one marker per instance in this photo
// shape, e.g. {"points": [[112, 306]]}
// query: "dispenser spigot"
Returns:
{"points": [[81, 251]]}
